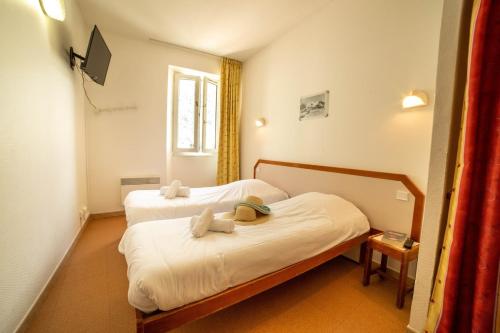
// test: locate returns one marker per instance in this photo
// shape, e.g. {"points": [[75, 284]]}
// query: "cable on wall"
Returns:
{"points": [[85, 90], [96, 109]]}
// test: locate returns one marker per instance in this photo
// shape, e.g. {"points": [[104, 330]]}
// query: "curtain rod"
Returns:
{"points": [[183, 47]]}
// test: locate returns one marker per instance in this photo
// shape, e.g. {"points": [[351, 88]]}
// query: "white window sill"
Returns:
{"points": [[194, 154]]}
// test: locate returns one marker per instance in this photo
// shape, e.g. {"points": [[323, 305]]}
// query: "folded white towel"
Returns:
{"points": [[163, 189], [183, 191], [200, 224], [171, 191], [222, 225]]}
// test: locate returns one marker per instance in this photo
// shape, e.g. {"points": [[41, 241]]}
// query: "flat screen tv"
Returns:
{"points": [[98, 56]]}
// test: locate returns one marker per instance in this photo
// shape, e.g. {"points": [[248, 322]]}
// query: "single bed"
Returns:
{"points": [[168, 267], [149, 205]]}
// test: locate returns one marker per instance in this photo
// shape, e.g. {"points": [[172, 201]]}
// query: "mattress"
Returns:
{"points": [[149, 205], [168, 267]]}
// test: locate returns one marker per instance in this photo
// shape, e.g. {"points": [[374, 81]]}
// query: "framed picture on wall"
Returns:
{"points": [[314, 106]]}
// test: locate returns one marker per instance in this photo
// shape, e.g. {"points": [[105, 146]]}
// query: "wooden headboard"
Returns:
{"points": [[373, 192]]}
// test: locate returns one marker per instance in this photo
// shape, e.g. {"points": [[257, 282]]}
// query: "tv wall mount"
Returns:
{"points": [[72, 58]]}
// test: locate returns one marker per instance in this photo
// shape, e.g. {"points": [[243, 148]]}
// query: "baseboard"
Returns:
{"points": [[99, 216], [390, 271], [350, 259], [28, 317], [410, 329]]}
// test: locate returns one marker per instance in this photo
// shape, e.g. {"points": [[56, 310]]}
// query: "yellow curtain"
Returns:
{"points": [[228, 163]]}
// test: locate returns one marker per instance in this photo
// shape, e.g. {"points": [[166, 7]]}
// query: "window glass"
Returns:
{"points": [[186, 114]]}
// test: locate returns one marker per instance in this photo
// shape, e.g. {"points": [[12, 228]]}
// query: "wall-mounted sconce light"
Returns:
{"points": [[260, 122], [415, 99], [54, 9]]}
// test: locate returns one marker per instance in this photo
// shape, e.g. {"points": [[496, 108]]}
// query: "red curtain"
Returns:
{"points": [[471, 280]]}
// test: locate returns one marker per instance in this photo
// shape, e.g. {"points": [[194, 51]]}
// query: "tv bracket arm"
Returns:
{"points": [[72, 58]]}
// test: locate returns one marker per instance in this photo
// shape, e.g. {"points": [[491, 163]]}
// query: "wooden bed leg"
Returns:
{"points": [[139, 321], [362, 253]]}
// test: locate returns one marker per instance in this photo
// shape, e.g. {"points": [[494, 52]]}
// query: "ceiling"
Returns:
{"points": [[232, 28]]}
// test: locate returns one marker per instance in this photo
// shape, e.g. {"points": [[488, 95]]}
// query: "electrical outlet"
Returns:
{"points": [[402, 195], [81, 215], [84, 214]]}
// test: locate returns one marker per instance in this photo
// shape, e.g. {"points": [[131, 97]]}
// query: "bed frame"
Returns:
{"points": [[162, 321]]}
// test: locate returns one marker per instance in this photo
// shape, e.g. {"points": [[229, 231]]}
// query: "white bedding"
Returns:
{"points": [[167, 267], [149, 205]]}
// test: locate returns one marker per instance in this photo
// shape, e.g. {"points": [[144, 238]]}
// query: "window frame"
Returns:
{"points": [[177, 77], [204, 148], [201, 81]]}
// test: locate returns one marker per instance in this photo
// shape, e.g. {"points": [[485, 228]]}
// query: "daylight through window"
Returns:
{"points": [[195, 113]]}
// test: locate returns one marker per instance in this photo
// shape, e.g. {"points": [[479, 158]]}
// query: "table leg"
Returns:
{"points": [[403, 275], [368, 266], [383, 263], [362, 253]]}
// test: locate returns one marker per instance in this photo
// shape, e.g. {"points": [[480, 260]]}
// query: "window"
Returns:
{"points": [[195, 113]]}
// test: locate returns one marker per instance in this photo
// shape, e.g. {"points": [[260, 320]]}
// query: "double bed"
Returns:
{"points": [[175, 278]]}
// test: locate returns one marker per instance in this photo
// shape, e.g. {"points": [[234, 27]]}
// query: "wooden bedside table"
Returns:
{"points": [[405, 256]]}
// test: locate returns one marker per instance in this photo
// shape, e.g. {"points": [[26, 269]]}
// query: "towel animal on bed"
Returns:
{"points": [[245, 211], [207, 222], [175, 189]]}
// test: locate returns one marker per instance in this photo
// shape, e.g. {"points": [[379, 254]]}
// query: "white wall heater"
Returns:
{"points": [[130, 184]]}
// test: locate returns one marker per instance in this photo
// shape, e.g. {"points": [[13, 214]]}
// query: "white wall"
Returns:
{"points": [[134, 142], [42, 151], [368, 54]]}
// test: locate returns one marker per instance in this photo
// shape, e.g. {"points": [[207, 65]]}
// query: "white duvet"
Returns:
{"points": [[168, 267], [149, 205]]}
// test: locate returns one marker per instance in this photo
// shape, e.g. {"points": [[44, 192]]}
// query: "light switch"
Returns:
{"points": [[402, 195]]}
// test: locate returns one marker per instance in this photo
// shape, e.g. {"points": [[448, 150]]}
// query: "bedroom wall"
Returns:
{"points": [[368, 57], [133, 143], [42, 151]]}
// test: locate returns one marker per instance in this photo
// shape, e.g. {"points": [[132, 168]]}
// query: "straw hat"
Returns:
{"points": [[247, 210]]}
